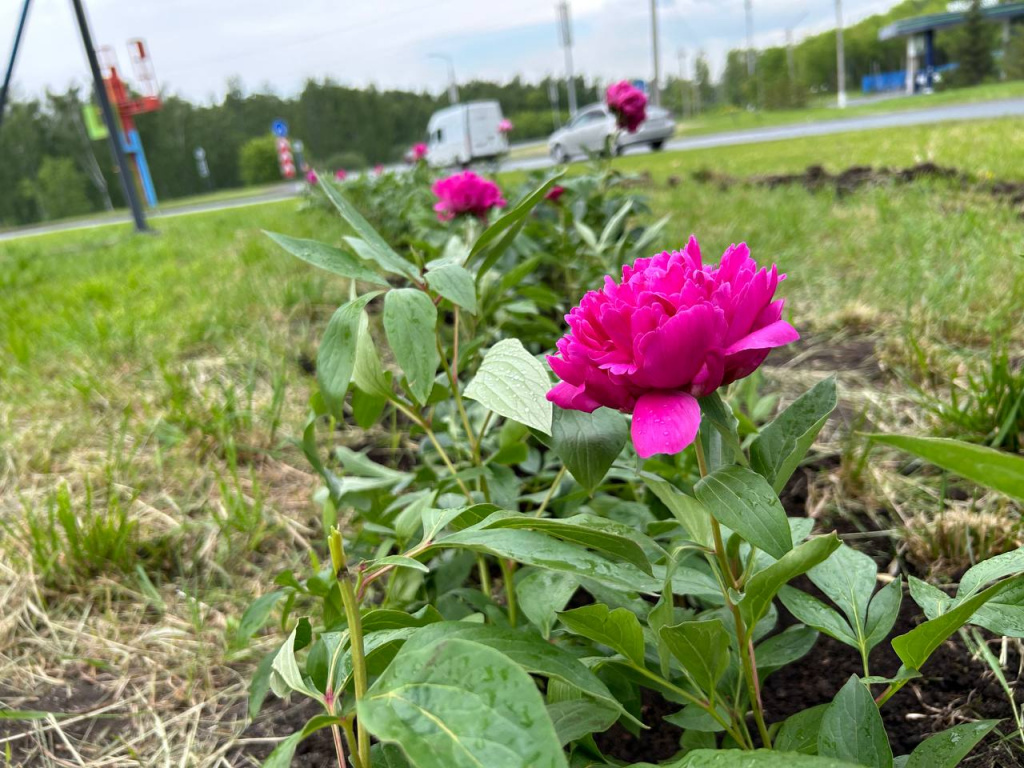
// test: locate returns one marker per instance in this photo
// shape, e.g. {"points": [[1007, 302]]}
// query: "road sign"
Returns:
{"points": [[279, 128], [284, 158]]}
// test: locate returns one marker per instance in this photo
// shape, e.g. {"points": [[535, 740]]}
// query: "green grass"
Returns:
{"points": [[743, 120]]}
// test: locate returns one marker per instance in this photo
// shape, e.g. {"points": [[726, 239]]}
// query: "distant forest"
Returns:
{"points": [[52, 170]]}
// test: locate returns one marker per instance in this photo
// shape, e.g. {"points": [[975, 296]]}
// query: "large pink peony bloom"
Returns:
{"points": [[673, 330], [628, 104], [466, 193]]}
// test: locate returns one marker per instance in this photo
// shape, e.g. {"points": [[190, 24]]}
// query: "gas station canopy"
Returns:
{"points": [[935, 21]]}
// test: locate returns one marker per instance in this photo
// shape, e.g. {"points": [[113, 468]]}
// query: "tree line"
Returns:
{"points": [[52, 170]]}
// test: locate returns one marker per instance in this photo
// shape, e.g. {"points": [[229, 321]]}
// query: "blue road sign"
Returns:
{"points": [[279, 128]]}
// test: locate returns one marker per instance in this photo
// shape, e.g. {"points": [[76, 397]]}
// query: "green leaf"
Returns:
{"points": [[764, 584], [499, 236], [366, 408], [336, 357], [285, 676], [852, 728], [527, 649], [588, 443], [460, 704], [573, 719], [372, 247], [543, 551], [814, 613], [993, 469], [454, 283], [702, 647], [257, 614], [283, 753], [787, 646], [587, 530], [1006, 564], [780, 447], [410, 320], [512, 383], [848, 579], [799, 732], [619, 629], [368, 374], [259, 684], [760, 758], [614, 224], [327, 257], [883, 611], [399, 561], [743, 501], [918, 644], [542, 594], [717, 412], [686, 509], [387, 756], [948, 748]]}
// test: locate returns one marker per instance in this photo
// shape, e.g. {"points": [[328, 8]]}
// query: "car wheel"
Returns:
{"points": [[656, 146], [559, 155]]}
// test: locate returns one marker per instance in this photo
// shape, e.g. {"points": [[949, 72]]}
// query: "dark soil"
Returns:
{"points": [[280, 718], [816, 178]]}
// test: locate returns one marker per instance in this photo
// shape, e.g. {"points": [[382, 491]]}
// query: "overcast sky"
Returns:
{"points": [[197, 45]]}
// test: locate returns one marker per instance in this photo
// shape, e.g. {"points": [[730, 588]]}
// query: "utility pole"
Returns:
{"points": [[656, 85], [14, 57], [748, 7], [565, 27], [556, 111], [453, 86], [131, 194], [790, 64], [840, 58], [683, 105]]}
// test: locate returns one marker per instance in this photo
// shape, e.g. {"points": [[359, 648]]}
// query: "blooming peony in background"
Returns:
{"points": [[674, 329], [466, 193], [505, 126], [418, 152], [340, 174], [628, 104]]}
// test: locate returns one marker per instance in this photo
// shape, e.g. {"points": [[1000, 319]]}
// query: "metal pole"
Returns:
{"points": [[14, 57], [113, 126], [453, 86], [683, 106], [656, 85], [840, 58], [790, 64], [748, 7], [566, 29]]}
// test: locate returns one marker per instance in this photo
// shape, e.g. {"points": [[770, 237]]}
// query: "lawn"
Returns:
{"points": [[152, 389]]}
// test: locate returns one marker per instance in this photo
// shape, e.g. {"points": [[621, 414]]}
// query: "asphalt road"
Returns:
{"points": [[978, 111]]}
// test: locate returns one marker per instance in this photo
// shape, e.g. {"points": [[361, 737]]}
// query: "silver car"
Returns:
{"points": [[589, 130]]}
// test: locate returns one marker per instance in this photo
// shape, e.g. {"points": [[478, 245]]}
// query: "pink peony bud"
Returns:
{"points": [[311, 177], [418, 152], [555, 193], [505, 126], [673, 330], [340, 174], [628, 104], [466, 193]]}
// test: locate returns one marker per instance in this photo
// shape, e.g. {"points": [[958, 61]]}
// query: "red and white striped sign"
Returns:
{"points": [[284, 158]]}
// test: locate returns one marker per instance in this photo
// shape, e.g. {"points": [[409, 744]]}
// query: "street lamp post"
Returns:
{"points": [[453, 86]]}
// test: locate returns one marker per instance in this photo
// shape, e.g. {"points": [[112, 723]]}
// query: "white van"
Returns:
{"points": [[462, 133]]}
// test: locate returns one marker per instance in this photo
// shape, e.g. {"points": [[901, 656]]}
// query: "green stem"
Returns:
{"points": [[507, 574], [339, 750], [551, 492], [485, 575], [414, 417], [355, 634], [350, 739]]}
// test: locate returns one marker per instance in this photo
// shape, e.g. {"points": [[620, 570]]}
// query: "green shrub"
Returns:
{"points": [[60, 189], [349, 161], [257, 161]]}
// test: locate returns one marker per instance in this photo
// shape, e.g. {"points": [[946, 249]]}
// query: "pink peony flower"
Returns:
{"points": [[673, 330], [555, 193], [340, 174], [418, 152], [466, 193], [311, 177], [505, 126], [628, 104]]}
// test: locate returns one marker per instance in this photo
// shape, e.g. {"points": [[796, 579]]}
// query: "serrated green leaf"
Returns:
{"points": [[782, 444], [327, 257], [512, 383], [743, 501]]}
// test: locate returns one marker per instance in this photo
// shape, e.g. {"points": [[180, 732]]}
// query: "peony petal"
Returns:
{"points": [[770, 336], [664, 422], [670, 356], [571, 398]]}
